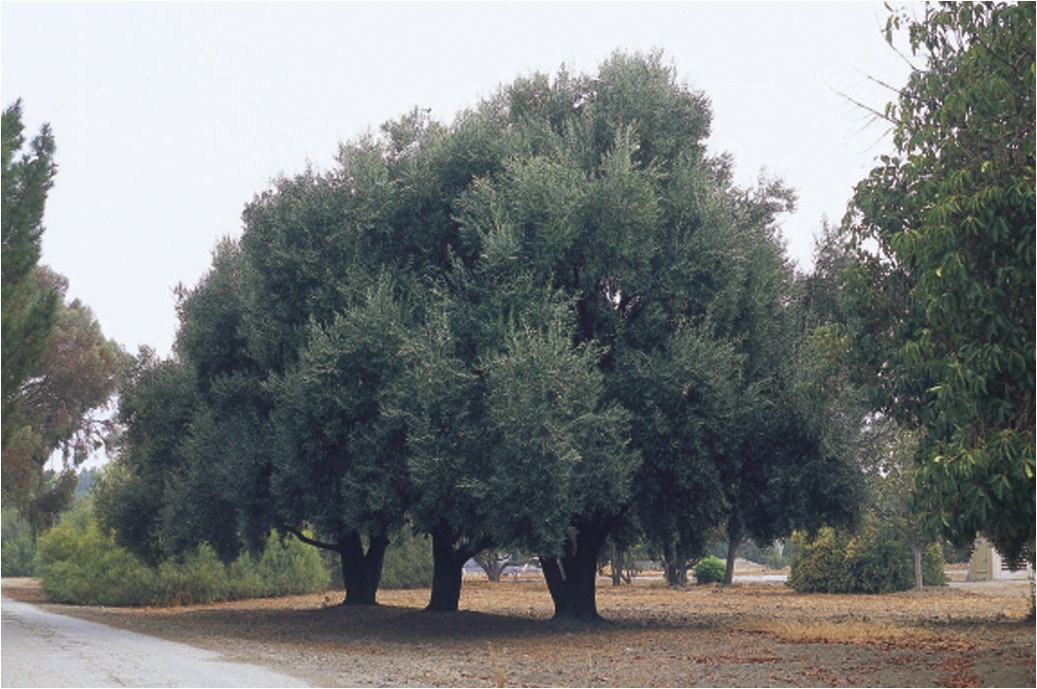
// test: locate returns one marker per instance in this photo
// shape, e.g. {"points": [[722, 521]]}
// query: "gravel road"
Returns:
{"points": [[42, 649]]}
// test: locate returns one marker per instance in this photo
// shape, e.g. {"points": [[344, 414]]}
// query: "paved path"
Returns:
{"points": [[43, 649]]}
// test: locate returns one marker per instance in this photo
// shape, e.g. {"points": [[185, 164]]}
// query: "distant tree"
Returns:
{"points": [[28, 312], [18, 544], [62, 408], [889, 458], [87, 479], [496, 562], [944, 281], [795, 462]]}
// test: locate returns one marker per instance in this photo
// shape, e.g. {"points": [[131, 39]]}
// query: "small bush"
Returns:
{"points": [[408, 561], [78, 563], [709, 570], [820, 564], [244, 579], [16, 545], [878, 563], [197, 577], [289, 566]]}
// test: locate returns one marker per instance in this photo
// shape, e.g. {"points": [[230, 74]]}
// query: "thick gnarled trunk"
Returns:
{"points": [[571, 578], [676, 572], [361, 571], [449, 553]]}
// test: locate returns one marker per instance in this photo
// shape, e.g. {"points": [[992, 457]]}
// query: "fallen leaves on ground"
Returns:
{"points": [[748, 635]]}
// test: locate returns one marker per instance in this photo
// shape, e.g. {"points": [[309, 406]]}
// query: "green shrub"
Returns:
{"points": [[408, 561], [820, 565], [244, 579], [16, 545], [709, 570], [289, 566], [875, 560], [879, 563], [285, 567], [197, 577], [78, 563], [933, 573]]}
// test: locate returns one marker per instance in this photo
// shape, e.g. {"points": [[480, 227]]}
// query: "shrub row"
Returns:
{"points": [[408, 561], [872, 561], [79, 563]]}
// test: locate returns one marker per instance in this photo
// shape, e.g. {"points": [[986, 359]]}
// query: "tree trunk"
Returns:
{"points": [[449, 553], [571, 581], [362, 572], [493, 564], [571, 578], [617, 566], [493, 568], [729, 569], [916, 551], [676, 571], [675, 565], [447, 570]]}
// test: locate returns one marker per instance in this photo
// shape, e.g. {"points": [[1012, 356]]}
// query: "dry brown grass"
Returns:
{"points": [[750, 635]]}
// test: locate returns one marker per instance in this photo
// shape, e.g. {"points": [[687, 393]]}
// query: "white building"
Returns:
{"points": [[986, 564]]}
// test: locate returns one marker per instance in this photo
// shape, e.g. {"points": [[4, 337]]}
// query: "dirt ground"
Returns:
{"points": [[748, 635]]}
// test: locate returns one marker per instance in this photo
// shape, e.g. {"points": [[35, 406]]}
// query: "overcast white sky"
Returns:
{"points": [[169, 117]]}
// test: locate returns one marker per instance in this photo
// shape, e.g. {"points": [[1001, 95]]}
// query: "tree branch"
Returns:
{"points": [[307, 540]]}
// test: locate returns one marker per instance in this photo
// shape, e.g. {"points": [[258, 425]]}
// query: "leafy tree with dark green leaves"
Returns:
{"points": [[378, 228], [28, 312], [189, 454], [442, 397], [338, 462], [446, 328], [290, 355], [684, 396], [157, 401], [614, 206], [572, 220], [562, 462], [943, 288]]}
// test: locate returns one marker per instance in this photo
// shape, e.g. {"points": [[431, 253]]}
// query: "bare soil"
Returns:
{"points": [[747, 635]]}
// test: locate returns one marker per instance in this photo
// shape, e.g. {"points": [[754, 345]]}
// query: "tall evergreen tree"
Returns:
{"points": [[28, 313]]}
